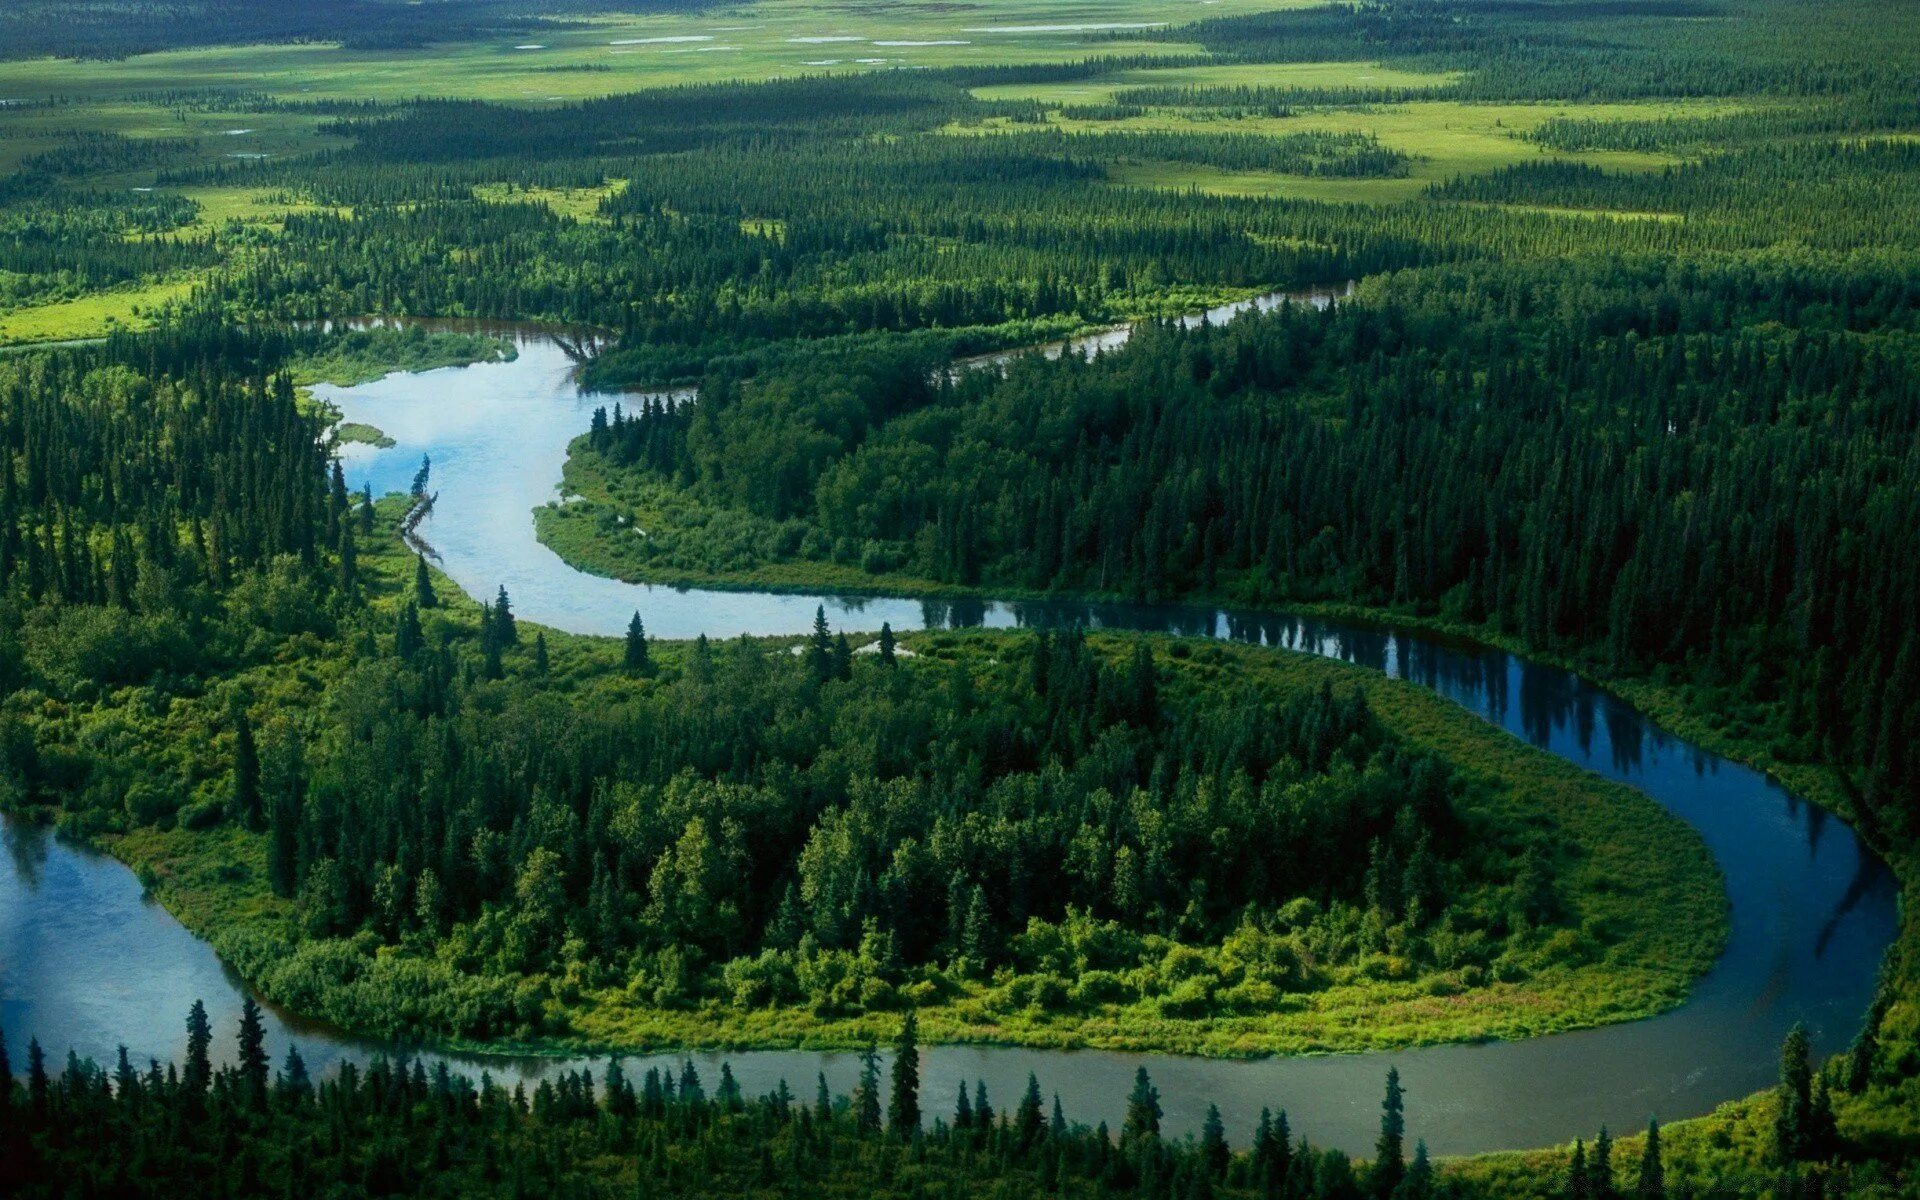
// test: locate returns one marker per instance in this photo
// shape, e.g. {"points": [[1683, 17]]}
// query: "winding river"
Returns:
{"points": [[87, 962]]}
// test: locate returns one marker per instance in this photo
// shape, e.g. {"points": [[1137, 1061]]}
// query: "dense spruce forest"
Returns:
{"points": [[397, 1129], [1688, 465], [1620, 372]]}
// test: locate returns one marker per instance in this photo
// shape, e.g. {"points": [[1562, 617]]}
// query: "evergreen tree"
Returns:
{"points": [[903, 1104], [423, 593], [1419, 1183], [1600, 1168], [39, 1086], [1653, 1175], [1578, 1186], [253, 1061], [244, 804], [1029, 1117], [506, 632], [887, 656], [541, 664], [963, 1109], [295, 1084], [347, 556], [407, 635], [866, 1094], [1823, 1130], [1142, 1123], [820, 647], [637, 660], [1214, 1154], [1794, 1095], [199, 1070], [1389, 1158]]}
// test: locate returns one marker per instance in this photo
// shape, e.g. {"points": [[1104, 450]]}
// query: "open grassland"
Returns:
{"points": [[1443, 139], [580, 59]]}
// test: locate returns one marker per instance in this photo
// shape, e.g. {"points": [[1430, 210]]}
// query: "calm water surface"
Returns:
{"points": [[87, 962]]}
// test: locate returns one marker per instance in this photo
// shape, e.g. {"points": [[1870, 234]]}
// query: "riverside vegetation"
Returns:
{"points": [[1628, 383]]}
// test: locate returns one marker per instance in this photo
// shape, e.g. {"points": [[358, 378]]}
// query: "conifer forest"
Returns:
{"points": [[1283, 599]]}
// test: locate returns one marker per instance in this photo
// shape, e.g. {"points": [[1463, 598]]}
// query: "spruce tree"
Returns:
{"points": [[1653, 1175], [1389, 1158], [1029, 1119], [1576, 1185], [1419, 1183], [866, 1094], [407, 636], [423, 593], [903, 1104], [244, 804], [820, 647], [1142, 1123], [963, 1109], [637, 659], [199, 1070], [540, 663], [1214, 1154], [39, 1086], [887, 656], [1795, 1096], [348, 557], [506, 632], [253, 1061], [294, 1085], [1600, 1168]]}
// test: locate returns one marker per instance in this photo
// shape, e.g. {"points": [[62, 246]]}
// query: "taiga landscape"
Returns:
{"points": [[1099, 598]]}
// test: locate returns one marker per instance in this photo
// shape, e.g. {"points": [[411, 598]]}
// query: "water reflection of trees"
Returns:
{"points": [[27, 846]]}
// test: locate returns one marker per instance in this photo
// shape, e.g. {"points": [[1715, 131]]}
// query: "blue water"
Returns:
{"points": [[86, 962]]}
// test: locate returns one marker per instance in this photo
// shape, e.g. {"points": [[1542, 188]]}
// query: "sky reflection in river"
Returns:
{"points": [[86, 962]]}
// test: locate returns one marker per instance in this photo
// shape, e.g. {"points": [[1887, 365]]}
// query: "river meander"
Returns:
{"points": [[87, 962]]}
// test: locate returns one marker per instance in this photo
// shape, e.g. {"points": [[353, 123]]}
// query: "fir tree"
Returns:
{"points": [[887, 656]]}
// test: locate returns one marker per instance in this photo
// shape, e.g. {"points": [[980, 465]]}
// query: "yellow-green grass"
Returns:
{"points": [[1443, 138], [28, 130], [762, 41], [578, 204], [1102, 89], [93, 315], [99, 313]]}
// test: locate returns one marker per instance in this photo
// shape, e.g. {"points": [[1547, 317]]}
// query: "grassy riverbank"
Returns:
{"points": [[1644, 912]]}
